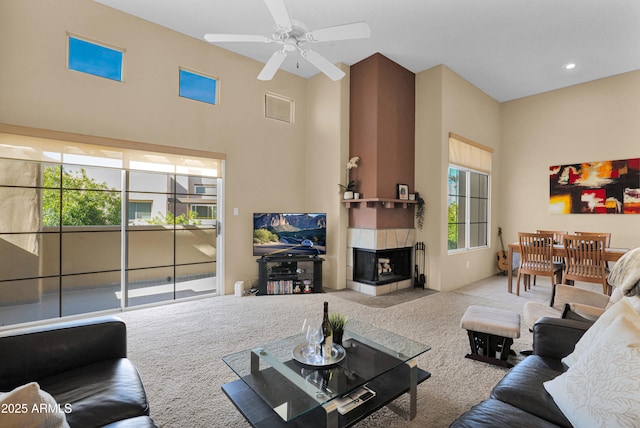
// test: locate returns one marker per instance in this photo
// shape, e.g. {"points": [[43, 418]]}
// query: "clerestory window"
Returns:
{"points": [[198, 87], [94, 58]]}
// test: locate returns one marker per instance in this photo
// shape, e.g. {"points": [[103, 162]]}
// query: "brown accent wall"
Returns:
{"points": [[382, 133]]}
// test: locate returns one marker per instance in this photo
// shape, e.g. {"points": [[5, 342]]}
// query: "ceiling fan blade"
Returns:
{"points": [[323, 64], [279, 13], [271, 67], [213, 38], [357, 30]]}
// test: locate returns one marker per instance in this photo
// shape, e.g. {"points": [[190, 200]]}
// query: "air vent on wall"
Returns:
{"points": [[278, 108]]}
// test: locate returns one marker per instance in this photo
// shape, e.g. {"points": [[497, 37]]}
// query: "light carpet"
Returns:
{"points": [[384, 300], [178, 350]]}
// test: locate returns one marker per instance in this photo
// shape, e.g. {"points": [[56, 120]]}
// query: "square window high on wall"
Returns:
{"points": [[94, 58], [198, 87]]}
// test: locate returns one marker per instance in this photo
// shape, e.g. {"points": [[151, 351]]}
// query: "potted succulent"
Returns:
{"points": [[351, 184], [337, 321]]}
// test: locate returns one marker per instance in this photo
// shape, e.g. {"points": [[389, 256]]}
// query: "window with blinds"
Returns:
{"points": [[468, 198], [87, 227]]}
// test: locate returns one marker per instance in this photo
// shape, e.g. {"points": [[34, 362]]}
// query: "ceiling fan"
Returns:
{"points": [[293, 36]]}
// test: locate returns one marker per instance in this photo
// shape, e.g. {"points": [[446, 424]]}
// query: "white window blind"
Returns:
{"points": [[469, 154], [140, 157]]}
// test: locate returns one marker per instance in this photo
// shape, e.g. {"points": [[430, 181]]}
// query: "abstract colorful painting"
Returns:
{"points": [[605, 187]]}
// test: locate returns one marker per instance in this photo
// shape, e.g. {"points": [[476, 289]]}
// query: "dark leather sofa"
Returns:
{"points": [[81, 363], [519, 399]]}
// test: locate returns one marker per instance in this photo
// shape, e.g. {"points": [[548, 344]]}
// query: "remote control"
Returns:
{"points": [[366, 396], [349, 402]]}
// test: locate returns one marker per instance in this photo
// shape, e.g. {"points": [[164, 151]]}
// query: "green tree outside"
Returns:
{"points": [[452, 209], [452, 232], [183, 219], [85, 202]]}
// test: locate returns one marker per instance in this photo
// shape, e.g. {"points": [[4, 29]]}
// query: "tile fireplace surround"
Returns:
{"points": [[377, 239]]}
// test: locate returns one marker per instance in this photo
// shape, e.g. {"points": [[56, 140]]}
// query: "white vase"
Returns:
{"points": [[348, 195]]}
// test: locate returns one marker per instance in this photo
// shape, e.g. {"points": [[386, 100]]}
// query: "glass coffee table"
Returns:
{"points": [[277, 389]]}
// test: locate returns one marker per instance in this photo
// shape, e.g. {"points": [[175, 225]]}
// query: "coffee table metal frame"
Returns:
{"points": [[402, 351]]}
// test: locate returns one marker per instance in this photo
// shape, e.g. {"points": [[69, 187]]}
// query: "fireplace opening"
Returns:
{"points": [[377, 267]]}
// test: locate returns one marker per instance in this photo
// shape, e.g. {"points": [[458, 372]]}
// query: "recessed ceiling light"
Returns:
{"points": [[569, 66]]}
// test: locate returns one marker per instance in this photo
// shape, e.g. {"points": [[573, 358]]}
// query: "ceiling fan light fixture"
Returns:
{"points": [[293, 36]]}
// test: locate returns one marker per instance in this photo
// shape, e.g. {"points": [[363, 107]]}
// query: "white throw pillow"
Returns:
{"points": [[602, 389], [621, 309], [635, 302], [28, 406], [616, 296]]}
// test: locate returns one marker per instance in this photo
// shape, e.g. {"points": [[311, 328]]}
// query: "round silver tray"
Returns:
{"points": [[300, 354]]}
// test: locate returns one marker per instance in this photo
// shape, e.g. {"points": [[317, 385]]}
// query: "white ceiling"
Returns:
{"points": [[507, 48]]}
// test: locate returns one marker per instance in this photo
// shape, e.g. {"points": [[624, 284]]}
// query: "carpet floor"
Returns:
{"points": [[178, 350], [385, 300]]}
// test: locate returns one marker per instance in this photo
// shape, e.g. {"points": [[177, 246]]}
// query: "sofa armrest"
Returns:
{"points": [[580, 312], [556, 337], [569, 294], [38, 352]]}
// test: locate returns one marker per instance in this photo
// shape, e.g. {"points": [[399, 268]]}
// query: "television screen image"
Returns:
{"points": [[283, 234]]}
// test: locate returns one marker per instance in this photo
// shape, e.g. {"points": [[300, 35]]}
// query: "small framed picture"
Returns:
{"points": [[403, 192]]}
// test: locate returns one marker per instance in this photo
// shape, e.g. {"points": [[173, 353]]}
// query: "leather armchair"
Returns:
{"points": [[82, 364], [519, 399]]}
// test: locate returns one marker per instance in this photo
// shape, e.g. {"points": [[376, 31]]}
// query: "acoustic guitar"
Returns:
{"points": [[503, 262]]}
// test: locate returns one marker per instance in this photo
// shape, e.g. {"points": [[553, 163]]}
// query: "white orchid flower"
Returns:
{"points": [[353, 162]]}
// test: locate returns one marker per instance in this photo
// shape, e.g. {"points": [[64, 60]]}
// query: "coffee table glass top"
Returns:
{"points": [[292, 388]]}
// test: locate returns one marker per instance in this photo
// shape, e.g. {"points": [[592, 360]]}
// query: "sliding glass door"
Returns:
{"points": [[170, 251], [78, 238]]}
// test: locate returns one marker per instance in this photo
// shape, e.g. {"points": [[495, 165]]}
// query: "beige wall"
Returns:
{"points": [[327, 153], [471, 113], [446, 103], [265, 167], [429, 177], [589, 122], [272, 166]]}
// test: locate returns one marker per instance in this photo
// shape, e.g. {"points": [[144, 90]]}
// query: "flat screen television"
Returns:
{"points": [[289, 234]]}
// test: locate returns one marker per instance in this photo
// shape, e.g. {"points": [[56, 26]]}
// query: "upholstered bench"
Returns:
{"points": [[491, 331]]}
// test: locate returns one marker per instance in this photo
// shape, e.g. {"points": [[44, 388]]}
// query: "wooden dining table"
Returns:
{"points": [[610, 255]]}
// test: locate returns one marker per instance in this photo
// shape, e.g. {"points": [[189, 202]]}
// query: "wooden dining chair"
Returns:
{"points": [[536, 258], [584, 258], [557, 239], [607, 235], [557, 235]]}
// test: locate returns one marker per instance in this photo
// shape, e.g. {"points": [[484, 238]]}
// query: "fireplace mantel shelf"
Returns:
{"points": [[385, 202]]}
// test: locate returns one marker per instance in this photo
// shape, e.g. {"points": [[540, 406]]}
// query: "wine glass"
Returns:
{"points": [[314, 337], [307, 350]]}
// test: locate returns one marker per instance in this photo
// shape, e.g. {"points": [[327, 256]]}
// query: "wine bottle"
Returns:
{"points": [[327, 333]]}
